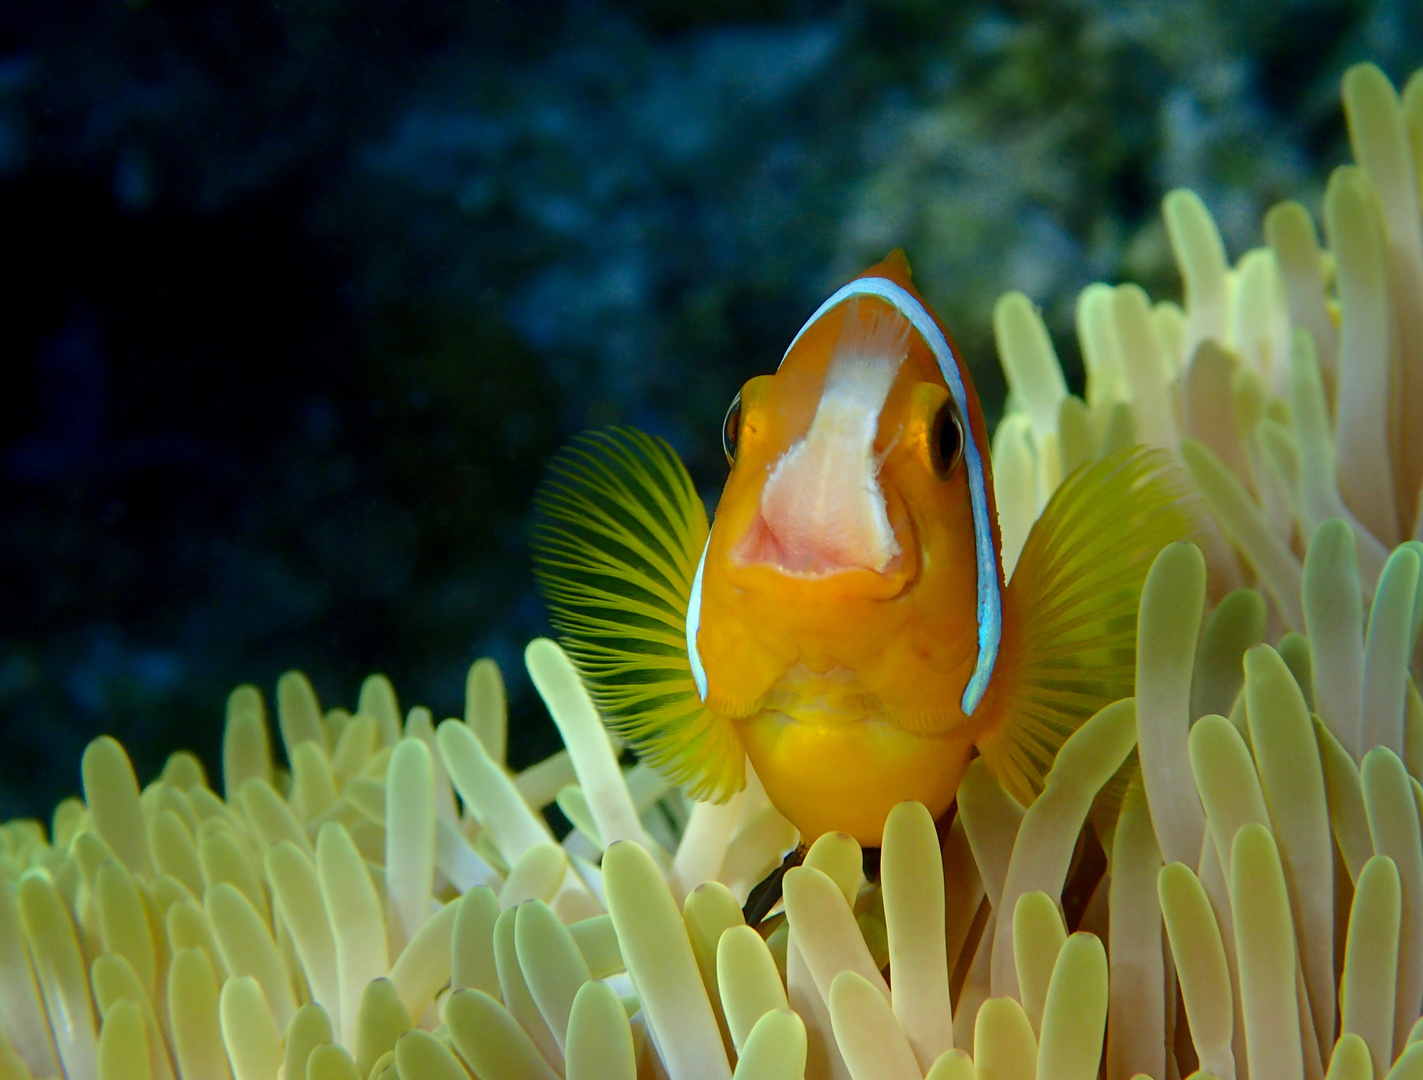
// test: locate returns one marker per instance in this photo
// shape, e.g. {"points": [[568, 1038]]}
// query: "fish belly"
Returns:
{"points": [[845, 775]]}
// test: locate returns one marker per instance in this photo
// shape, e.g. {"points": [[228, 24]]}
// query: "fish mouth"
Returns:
{"points": [[804, 557], [810, 556]]}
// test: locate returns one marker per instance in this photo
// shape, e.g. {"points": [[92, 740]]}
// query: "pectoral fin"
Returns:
{"points": [[618, 534], [1072, 605]]}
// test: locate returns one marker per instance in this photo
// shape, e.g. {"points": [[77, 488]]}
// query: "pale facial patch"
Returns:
{"points": [[823, 506]]}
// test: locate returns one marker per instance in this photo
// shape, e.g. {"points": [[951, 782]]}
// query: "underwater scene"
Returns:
{"points": [[874, 541]]}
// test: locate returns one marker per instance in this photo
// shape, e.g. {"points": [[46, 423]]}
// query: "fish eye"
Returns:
{"points": [[731, 429], [946, 439]]}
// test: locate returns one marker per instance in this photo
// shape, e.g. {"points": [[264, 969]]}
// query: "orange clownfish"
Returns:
{"points": [[844, 624]]}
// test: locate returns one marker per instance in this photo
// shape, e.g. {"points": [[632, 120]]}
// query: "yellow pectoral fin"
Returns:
{"points": [[618, 534], [1071, 607]]}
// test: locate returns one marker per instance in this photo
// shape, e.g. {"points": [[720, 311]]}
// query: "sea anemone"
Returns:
{"points": [[1223, 874], [324, 921], [1292, 384]]}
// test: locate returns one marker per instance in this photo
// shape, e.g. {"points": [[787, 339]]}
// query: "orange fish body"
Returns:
{"points": [[845, 624], [839, 650]]}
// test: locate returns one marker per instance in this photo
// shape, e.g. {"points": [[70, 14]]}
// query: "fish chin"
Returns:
{"points": [[821, 692]]}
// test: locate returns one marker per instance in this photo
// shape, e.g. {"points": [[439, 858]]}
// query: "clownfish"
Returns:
{"points": [[844, 623]]}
